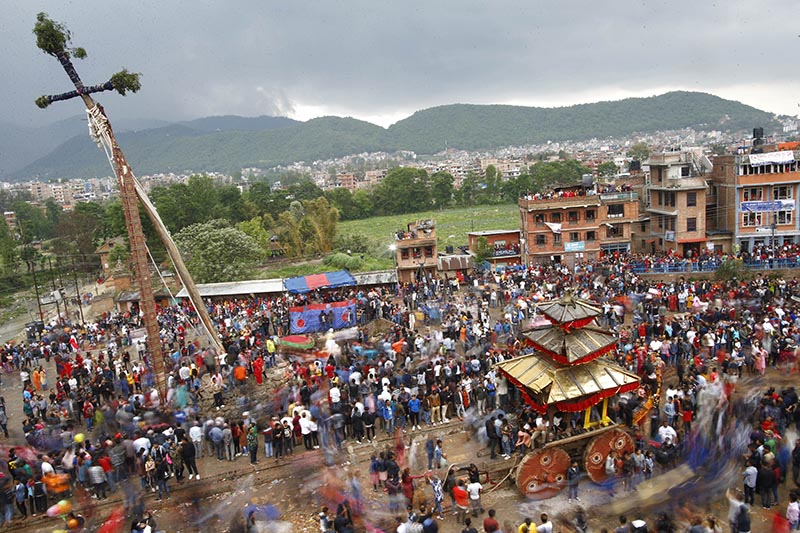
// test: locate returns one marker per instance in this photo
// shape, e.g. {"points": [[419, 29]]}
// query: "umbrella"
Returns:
{"points": [[299, 342]]}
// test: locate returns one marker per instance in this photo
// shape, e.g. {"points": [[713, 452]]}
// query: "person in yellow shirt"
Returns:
{"points": [[527, 526]]}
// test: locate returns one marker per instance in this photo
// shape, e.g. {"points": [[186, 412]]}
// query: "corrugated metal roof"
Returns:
{"points": [[493, 232], [455, 262], [237, 288], [378, 277]]}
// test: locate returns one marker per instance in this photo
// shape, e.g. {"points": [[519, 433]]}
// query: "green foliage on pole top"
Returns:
{"points": [[42, 102], [124, 81], [53, 38]]}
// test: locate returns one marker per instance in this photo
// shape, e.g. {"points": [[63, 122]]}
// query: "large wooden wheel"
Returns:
{"points": [[594, 458], [543, 473]]}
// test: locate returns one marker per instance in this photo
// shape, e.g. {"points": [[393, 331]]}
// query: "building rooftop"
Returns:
{"points": [[486, 233]]}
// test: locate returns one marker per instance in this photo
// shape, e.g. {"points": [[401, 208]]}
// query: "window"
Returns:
{"points": [[751, 219], [616, 210], [753, 194], [784, 217], [691, 224], [783, 192], [660, 221], [556, 238], [572, 217], [614, 231], [429, 251], [591, 236], [591, 214], [574, 236], [660, 197], [691, 199], [555, 217], [670, 199], [541, 240], [671, 223], [643, 227], [404, 254], [539, 219]]}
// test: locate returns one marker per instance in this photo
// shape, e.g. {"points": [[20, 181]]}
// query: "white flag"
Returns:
{"points": [[555, 227]]}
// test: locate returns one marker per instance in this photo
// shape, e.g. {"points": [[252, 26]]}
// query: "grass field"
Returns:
{"points": [[452, 225], [377, 233]]}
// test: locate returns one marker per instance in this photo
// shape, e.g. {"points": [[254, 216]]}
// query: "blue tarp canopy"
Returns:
{"points": [[326, 280]]}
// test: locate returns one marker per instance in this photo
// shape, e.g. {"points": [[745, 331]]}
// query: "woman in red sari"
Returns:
{"points": [[258, 369]]}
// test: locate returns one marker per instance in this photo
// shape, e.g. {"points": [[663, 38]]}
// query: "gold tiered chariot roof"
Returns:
{"points": [[567, 371]]}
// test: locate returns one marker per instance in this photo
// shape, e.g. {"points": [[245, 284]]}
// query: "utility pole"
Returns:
{"points": [[53, 281], [77, 290], [36, 290], [61, 290]]}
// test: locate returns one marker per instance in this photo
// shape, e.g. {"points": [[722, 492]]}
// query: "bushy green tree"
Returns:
{"points": [[607, 169], [639, 151], [215, 252], [403, 190], [442, 189]]}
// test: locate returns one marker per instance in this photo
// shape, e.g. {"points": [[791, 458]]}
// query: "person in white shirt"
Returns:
{"points": [[546, 526], [474, 489], [667, 432], [196, 435]]}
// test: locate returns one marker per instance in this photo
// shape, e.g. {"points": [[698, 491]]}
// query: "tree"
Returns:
{"points": [[319, 225], [342, 199], [403, 190], [639, 151], [256, 230], [216, 252], [77, 233], [119, 255], [290, 230], [482, 250], [362, 201], [607, 169], [442, 189]]}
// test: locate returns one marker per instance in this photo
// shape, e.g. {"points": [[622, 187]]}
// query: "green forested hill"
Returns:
{"points": [[230, 143]]}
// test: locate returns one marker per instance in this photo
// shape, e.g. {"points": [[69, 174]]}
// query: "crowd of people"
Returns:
{"points": [[100, 420]]}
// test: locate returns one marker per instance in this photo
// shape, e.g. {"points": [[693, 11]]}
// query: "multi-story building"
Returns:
{"points": [[570, 226], [346, 180], [11, 222], [504, 244], [677, 203], [755, 196], [415, 251]]}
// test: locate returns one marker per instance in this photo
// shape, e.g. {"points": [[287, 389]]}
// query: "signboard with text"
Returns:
{"points": [[759, 206], [579, 246]]}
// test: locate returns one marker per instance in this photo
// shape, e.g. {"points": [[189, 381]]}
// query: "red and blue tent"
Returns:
{"points": [[326, 280]]}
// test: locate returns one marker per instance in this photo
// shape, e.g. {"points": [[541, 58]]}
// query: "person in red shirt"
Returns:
{"points": [[490, 524], [462, 500]]}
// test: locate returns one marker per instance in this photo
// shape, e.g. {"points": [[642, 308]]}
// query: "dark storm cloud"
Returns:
{"points": [[384, 59]]}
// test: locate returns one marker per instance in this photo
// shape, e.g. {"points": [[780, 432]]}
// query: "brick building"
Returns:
{"points": [[569, 226], [416, 251], [677, 204], [755, 197], [505, 245]]}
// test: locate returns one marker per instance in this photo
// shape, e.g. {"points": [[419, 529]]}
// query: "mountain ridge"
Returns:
{"points": [[227, 143]]}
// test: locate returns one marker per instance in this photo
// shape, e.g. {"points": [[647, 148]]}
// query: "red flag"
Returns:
{"points": [[73, 343]]}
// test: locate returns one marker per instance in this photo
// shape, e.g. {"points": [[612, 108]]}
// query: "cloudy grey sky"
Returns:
{"points": [[380, 60]]}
